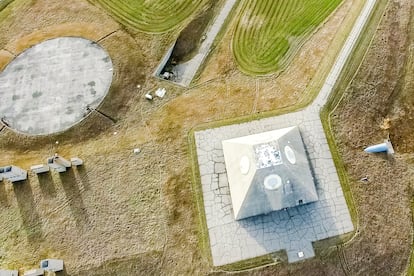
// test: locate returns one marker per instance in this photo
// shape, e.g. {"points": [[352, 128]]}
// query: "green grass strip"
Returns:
{"points": [[269, 31], [4, 4], [151, 16]]}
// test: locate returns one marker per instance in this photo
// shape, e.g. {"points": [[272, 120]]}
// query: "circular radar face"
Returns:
{"points": [[244, 165], [273, 182], [53, 85]]}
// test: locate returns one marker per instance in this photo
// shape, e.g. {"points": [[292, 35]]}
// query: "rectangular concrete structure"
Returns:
{"points": [[58, 163], [35, 272], [13, 173], [4, 272], [293, 229], [54, 265], [41, 168], [75, 161]]}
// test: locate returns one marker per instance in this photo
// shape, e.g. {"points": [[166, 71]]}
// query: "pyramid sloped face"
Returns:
{"points": [[268, 171]]}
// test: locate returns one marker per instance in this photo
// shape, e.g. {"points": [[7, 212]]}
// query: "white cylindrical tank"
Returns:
{"points": [[383, 147]]}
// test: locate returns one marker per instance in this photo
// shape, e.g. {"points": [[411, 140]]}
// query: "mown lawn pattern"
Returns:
{"points": [[153, 16], [268, 32]]}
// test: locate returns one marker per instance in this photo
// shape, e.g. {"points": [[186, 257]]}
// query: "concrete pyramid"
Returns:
{"points": [[268, 171]]}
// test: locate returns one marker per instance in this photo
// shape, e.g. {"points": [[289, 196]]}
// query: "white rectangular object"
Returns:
{"points": [[160, 92], [13, 173], [41, 168], [4, 272], [35, 272], [54, 265], [59, 168], [76, 161], [18, 177], [58, 163], [62, 161]]}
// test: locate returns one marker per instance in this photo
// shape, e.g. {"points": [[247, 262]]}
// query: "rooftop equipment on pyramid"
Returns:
{"points": [[268, 171]]}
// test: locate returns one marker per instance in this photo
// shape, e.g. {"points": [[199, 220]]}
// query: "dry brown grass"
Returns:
{"points": [[90, 31], [5, 58], [384, 202], [123, 212], [301, 77]]}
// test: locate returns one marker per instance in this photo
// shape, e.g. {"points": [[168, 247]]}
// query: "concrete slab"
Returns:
{"points": [[293, 229], [13, 173], [47, 88]]}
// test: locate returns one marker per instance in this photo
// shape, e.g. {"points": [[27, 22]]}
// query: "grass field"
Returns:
{"points": [[128, 214], [153, 16], [4, 3], [269, 32]]}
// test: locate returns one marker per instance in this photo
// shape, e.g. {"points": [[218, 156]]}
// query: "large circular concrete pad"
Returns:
{"points": [[47, 88]]}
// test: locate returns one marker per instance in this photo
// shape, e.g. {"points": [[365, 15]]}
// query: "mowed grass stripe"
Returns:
{"points": [[152, 16], [274, 16], [254, 23], [140, 17], [149, 19], [274, 32], [268, 32]]}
